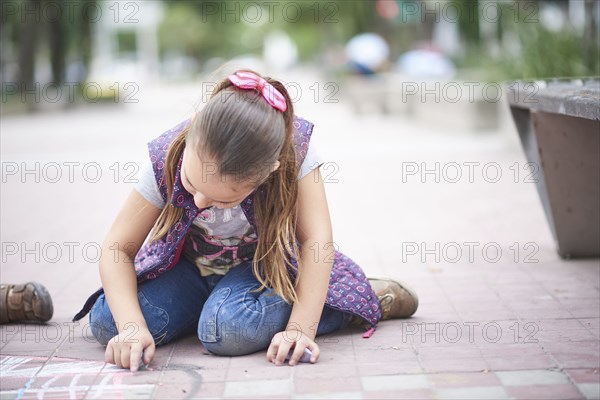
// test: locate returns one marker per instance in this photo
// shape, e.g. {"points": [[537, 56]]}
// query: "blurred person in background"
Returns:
{"points": [[367, 54], [426, 61]]}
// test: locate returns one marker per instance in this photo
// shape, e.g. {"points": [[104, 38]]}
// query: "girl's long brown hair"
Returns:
{"points": [[242, 134]]}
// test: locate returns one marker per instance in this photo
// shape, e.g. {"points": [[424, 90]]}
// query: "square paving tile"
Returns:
{"points": [[520, 362], [475, 364], [394, 382], [258, 388], [590, 390], [409, 394], [206, 390], [317, 386], [590, 323], [584, 375], [556, 391], [320, 370], [475, 393], [260, 373], [532, 377], [457, 380], [395, 368]]}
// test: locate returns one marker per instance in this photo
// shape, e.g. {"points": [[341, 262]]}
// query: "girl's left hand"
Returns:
{"points": [[283, 341]]}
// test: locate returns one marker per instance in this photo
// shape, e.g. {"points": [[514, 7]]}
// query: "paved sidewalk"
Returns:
{"points": [[501, 316]]}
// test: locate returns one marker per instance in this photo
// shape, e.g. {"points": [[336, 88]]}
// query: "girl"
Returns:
{"points": [[240, 247]]}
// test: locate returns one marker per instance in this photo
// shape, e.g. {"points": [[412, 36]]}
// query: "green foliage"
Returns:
{"points": [[126, 42], [205, 29], [468, 21], [549, 54], [183, 31], [541, 53]]}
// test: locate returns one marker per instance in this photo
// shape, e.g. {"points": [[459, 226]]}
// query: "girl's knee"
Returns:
{"points": [[231, 338], [221, 335], [102, 324], [238, 324], [224, 333], [103, 327]]}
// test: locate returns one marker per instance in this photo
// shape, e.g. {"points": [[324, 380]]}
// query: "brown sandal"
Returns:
{"points": [[25, 302]]}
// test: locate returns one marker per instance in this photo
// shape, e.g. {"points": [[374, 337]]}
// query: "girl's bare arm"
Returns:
{"points": [[313, 231], [314, 234], [124, 239]]}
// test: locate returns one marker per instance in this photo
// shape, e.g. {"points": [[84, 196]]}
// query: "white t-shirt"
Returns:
{"points": [[219, 238]]}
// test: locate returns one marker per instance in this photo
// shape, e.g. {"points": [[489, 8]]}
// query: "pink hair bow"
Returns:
{"points": [[249, 80]]}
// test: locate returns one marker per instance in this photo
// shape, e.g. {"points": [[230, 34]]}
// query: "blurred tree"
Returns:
{"points": [[468, 21], [58, 29], [56, 36], [81, 33], [358, 17], [27, 48]]}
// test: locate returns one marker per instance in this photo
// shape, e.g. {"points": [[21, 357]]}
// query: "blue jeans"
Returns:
{"points": [[229, 317]]}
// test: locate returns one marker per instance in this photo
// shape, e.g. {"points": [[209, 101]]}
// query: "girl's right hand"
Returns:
{"points": [[126, 349]]}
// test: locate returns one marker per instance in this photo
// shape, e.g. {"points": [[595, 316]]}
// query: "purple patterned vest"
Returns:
{"points": [[349, 289]]}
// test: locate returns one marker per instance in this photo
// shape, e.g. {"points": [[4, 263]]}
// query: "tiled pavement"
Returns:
{"points": [[522, 325]]}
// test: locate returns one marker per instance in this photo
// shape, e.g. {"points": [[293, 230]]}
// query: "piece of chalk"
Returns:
{"points": [[305, 357]]}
